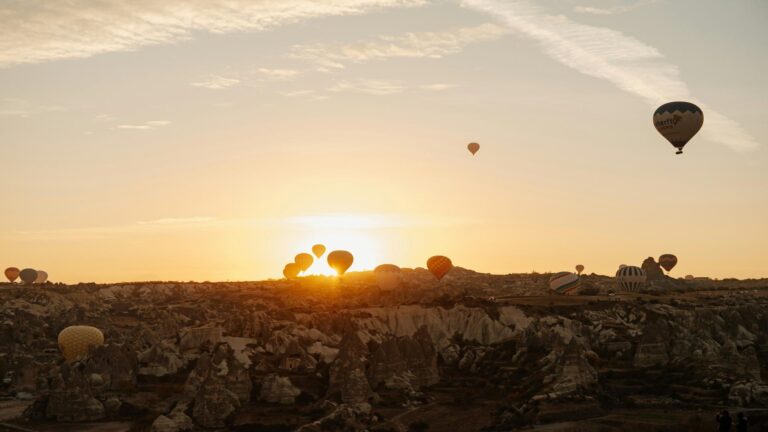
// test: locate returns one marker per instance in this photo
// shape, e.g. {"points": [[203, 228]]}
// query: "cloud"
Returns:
{"points": [[216, 82], [36, 31], [178, 221], [613, 10], [17, 107], [152, 124], [367, 86], [413, 45], [437, 87], [278, 74], [625, 62]]}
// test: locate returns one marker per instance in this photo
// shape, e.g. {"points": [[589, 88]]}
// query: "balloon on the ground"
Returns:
{"points": [[42, 277], [579, 268], [387, 276], [564, 283], [291, 270], [678, 122], [318, 250], [473, 147], [304, 260], [28, 276], [12, 273], [689, 277], [667, 261], [439, 266], [630, 278], [75, 341], [340, 261]]}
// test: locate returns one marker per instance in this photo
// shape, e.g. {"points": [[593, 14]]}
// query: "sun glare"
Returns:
{"points": [[351, 232]]}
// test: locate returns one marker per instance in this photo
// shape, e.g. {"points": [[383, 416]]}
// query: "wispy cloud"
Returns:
{"points": [[368, 86], [17, 107], [613, 10], [216, 82], [39, 31], [437, 87], [178, 221], [627, 63], [415, 45], [152, 124]]}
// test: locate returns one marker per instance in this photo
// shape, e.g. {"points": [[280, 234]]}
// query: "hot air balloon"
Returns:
{"points": [[75, 341], [564, 283], [304, 260], [689, 277], [12, 273], [579, 268], [28, 276], [291, 270], [630, 278], [340, 260], [473, 147], [668, 261], [678, 122], [42, 277], [318, 250], [439, 266], [387, 276]]}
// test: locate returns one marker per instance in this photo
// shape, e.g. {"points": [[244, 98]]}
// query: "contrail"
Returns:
{"points": [[627, 63]]}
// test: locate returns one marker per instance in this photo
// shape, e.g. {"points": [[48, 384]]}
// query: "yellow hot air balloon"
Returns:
{"points": [[28, 276], [678, 122], [387, 276], [579, 268], [42, 277], [439, 266], [12, 273], [340, 260], [473, 147], [304, 261], [318, 250], [75, 341], [291, 270]]}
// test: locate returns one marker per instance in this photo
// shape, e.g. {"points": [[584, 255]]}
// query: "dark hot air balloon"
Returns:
{"points": [[473, 147], [668, 261], [439, 266], [579, 268], [304, 260], [318, 250], [12, 273], [28, 276], [340, 260], [678, 122]]}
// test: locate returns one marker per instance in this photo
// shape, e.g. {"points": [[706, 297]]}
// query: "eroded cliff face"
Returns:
{"points": [[199, 360]]}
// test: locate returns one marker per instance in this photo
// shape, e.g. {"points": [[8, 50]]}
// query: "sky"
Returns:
{"points": [[214, 140]]}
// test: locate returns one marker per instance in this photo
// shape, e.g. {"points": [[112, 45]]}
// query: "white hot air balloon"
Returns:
{"points": [[630, 278]]}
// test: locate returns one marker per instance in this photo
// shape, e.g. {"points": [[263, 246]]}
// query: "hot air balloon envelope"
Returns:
{"points": [[28, 276], [12, 273], [579, 268], [318, 250], [304, 260], [564, 283], [668, 261], [75, 341], [630, 278], [291, 270], [439, 266], [42, 277], [340, 260], [387, 276], [473, 147], [678, 122]]}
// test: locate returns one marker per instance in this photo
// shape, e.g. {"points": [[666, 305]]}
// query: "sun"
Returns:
{"points": [[353, 233]]}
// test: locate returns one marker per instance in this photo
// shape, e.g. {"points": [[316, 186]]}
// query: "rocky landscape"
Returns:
{"points": [[472, 352]]}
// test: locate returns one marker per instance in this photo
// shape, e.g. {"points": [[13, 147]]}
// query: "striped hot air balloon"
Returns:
{"points": [[630, 278], [439, 266], [564, 283], [678, 122]]}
